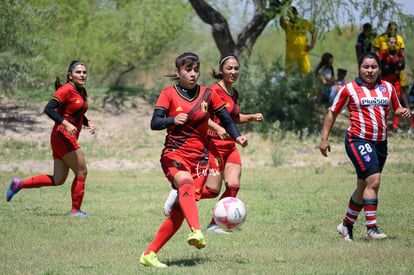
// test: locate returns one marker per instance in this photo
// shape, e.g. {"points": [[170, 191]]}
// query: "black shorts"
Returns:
{"points": [[367, 156]]}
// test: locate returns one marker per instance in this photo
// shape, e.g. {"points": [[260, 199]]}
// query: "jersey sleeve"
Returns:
{"points": [[164, 101], [340, 100], [62, 95], [217, 102]]}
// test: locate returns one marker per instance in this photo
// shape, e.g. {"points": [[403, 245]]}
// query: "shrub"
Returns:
{"points": [[288, 99]]}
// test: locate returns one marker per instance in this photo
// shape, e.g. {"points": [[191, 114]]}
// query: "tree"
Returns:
{"points": [[325, 14], [264, 12], [39, 38]]}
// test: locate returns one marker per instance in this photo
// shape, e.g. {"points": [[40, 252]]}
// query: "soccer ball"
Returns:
{"points": [[229, 213]]}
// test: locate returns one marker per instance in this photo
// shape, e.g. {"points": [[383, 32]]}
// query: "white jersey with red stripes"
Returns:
{"points": [[368, 107]]}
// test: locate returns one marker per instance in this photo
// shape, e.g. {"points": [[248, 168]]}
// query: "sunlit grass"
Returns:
{"points": [[290, 228]]}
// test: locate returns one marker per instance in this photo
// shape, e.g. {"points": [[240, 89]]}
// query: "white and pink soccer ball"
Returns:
{"points": [[229, 213]]}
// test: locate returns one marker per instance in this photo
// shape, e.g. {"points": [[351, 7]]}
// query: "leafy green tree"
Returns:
{"points": [[115, 38], [18, 52]]}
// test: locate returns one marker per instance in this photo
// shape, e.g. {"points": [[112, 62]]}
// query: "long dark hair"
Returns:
{"points": [[72, 65], [324, 62]]}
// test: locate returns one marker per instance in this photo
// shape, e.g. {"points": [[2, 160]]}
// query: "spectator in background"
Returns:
{"points": [[392, 63], [382, 43], [411, 102], [339, 83], [326, 75], [364, 40], [297, 46]]}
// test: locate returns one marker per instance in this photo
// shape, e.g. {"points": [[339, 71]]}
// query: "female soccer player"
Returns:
{"points": [[184, 109], [369, 100], [225, 161], [67, 108]]}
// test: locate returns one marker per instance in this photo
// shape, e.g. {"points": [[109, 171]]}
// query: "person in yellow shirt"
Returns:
{"points": [[297, 47]]}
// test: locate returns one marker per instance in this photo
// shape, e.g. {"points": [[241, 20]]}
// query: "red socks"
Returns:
{"points": [[187, 209], [231, 191], [37, 181], [186, 193], [77, 191], [207, 193], [167, 230]]}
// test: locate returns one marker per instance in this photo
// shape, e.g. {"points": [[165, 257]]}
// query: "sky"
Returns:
{"points": [[408, 6]]}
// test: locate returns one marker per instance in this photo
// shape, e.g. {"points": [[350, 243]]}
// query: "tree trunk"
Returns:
{"points": [[265, 11]]}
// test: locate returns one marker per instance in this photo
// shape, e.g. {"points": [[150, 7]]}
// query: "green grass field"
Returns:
{"points": [[292, 214]]}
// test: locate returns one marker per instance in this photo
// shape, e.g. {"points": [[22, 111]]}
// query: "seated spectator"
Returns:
{"points": [[339, 83], [326, 75]]}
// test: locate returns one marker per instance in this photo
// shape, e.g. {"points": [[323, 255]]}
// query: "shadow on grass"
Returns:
{"points": [[186, 262], [16, 118], [116, 97]]}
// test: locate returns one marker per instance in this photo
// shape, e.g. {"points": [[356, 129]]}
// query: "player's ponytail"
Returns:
{"points": [[57, 83]]}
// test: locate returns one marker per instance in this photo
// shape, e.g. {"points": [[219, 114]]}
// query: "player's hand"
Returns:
{"points": [[405, 113], [180, 119], [91, 128], [258, 117], [72, 130], [221, 132], [324, 146], [242, 140]]}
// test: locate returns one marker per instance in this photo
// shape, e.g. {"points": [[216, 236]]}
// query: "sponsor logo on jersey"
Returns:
{"points": [[228, 105], [78, 101], [179, 109], [204, 107], [374, 101]]}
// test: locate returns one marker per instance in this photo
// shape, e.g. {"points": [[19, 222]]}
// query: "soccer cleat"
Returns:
{"points": [[151, 259], [78, 213], [14, 187], [411, 131], [170, 202], [212, 227], [345, 231], [374, 233], [196, 238]]}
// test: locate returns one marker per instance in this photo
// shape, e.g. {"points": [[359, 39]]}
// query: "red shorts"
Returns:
{"points": [[222, 152], [172, 163], [62, 143]]}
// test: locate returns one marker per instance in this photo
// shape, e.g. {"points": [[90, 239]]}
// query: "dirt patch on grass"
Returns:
{"points": [[127, 133]]}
